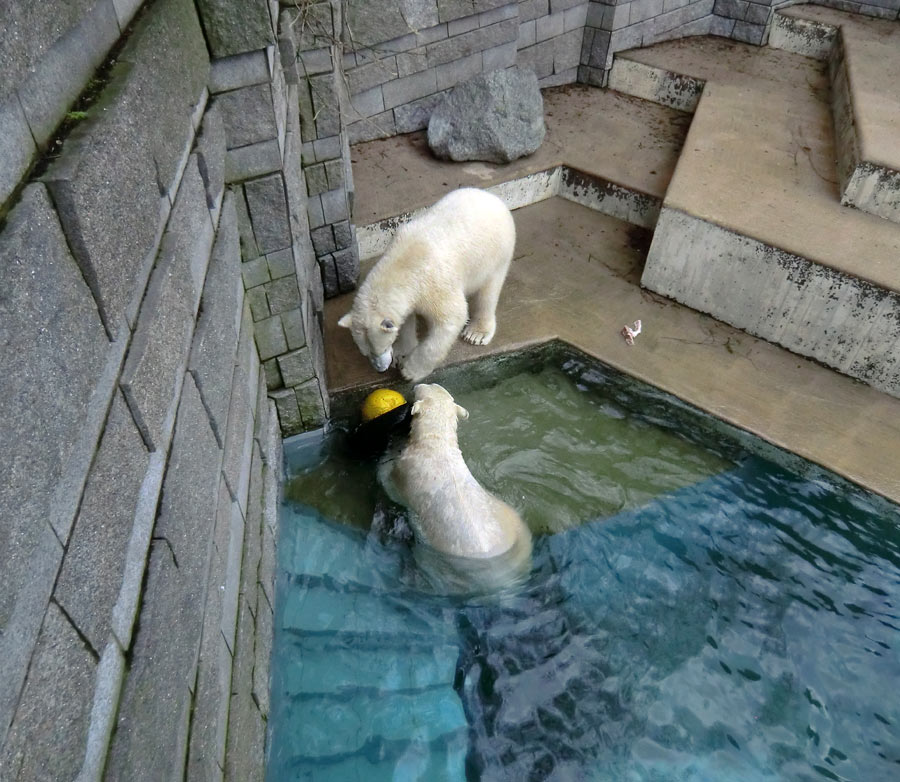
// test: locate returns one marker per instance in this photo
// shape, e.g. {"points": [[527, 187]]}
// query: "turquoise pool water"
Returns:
{"points": [[716, 616]]}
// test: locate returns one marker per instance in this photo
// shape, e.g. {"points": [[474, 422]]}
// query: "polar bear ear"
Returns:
{"points": [[461, 413], [346, 321], [416, 407], [387, 325]]}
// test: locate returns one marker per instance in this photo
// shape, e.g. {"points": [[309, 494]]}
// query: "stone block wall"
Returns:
{"points": [[311, 55], [550, 39], [258, 100], [616, 26], [161, 325], [398, 64]]}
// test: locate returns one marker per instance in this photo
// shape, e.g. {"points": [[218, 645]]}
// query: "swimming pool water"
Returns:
{"points": [[716, 617]]}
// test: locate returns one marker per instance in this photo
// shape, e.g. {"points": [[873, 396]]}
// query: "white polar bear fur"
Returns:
{"points": [[451, 512], [457, 251]]}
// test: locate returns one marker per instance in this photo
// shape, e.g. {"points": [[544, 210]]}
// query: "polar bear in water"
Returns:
{"points": [[454, 254], [468, 539]]}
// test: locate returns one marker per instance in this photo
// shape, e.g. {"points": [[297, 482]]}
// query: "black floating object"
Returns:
{"points": [[370, 438]]}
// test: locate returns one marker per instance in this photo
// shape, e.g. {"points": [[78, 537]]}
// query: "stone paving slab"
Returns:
{"points": [[18, 148], [212, 353], [235, 28], [59, 395], [58, 78], [112, 228], [207, 742], [622, 139], [156, 700], [91, 576], [162, 339], [576, 277], [48, 736], [25, 41], [170, 64], [246, 737]]}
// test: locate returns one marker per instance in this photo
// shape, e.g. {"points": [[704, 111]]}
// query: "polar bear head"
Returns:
{"points": [[435, 402], [374, 337]]}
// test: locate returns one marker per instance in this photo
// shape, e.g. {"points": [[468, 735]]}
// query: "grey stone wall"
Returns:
{"points": [[550, 39], [258, 99], [311, 54], [616, 26], [47, 54], [161, 326], [881, 9]]}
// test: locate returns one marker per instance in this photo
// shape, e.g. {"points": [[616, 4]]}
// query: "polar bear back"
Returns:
{"points": [[462, 240], [453, 513]]}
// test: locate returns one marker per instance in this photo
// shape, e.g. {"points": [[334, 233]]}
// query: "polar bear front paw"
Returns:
{"points": [[479, 333], [413, 374], [414, 370]]}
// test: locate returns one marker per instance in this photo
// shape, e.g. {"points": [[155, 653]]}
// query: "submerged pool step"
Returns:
{"points": [[315, 606], [364, 678], [340, 726], [378, 761], [326, 666]]}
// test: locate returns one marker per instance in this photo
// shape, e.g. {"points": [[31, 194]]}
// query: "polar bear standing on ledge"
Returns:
{"points": [[457, 251], [471, 537]]}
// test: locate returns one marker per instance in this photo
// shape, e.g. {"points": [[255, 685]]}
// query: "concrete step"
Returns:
{"points": [[863, 56], [751, 228]]}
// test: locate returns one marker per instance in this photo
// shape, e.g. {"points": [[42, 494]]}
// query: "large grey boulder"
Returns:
{"points": [[497, 117]]}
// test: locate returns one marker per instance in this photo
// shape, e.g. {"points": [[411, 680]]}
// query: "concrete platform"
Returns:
{"points": [[863, 56], [617, 138], [752, 230], [576, 276]]}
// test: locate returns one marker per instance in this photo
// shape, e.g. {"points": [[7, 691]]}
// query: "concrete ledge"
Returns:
{"points": [[840, 320], [675, 90], [59, 77], [609, 198], [586, 189], [802, 36], [592, 264], [866, 121], [864, 66]]}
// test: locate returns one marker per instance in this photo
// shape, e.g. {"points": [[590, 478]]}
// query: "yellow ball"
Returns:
{"points": [[381, 401]]}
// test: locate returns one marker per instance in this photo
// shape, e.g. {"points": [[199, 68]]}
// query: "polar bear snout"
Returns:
{"points": [[382, 361]]}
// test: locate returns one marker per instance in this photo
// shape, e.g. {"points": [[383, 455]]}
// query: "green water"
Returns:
{"points": [[553, 449]]}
